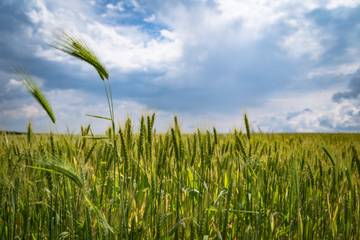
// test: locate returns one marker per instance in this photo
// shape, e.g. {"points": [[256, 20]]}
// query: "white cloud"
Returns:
{"points": [[341, 116], [337, 70], [332, 4], [347, 63], [13, 84], [31, 111], [127, 49], [121, 47], [115, 7], [307, 40], [259, 15], [131, 49], [25, 111], [301, 43], [150, 18], [307, 112], [16, 84], [251, 13]]}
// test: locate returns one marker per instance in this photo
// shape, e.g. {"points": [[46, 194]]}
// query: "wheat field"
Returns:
{"points": [[179, 186]]}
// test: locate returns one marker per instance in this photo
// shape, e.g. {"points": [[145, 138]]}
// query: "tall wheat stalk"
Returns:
{"points": [[78, 49]]}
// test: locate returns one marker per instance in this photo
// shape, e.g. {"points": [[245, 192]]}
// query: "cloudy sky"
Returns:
{"points": [[291, 65]]}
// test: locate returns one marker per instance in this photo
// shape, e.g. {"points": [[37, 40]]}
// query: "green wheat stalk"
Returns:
{"points": [[80, 50], [36, 92]]}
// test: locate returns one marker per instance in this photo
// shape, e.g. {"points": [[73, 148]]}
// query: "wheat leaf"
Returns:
{"points": [[247, 126], [98, 116]]}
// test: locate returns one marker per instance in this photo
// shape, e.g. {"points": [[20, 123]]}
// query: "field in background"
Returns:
{"points": [[179, 186]]}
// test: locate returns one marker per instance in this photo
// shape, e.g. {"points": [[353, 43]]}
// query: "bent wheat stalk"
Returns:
{"points": [[36, 92]]}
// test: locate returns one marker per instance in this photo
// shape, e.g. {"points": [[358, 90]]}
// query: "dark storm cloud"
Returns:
{"points": [[353, 91]]}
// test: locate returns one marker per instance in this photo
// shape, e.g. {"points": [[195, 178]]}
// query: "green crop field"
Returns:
{"points": [[138, 184], [183, 186]]}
